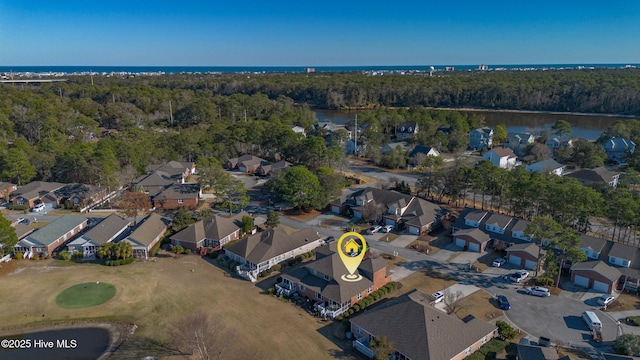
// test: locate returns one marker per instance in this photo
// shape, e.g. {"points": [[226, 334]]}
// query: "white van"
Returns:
{"points": [[592, 320]]}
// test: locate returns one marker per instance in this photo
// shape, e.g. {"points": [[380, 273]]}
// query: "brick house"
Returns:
{"points": [[504, 231], [474, 240], [596, 275], [321, 281], [105, 231], [31, 194], [418, 331], [146, 235], [53, 235], [245, 163], [177, 196], [271, 169], [210, 234], [524, 255]]}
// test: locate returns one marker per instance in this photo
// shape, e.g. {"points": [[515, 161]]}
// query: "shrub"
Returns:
{"points": [[356, 308], [545, 281], [291, 262], [187, 251], [18, 256], [118, 262], [376, 296], [35, 257], [213, 255], [633, 320], [277, 267], [78, 255], [271, 291], [506, 331], [109, 262], [64, 255], [299, 258], [130, 260], [339, 318], [350, 312], [18, 207]]}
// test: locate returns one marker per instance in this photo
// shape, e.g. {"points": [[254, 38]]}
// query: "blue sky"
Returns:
{"points": [[317, 33]]}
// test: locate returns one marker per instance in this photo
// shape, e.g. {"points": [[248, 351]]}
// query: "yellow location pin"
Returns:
{"points": [[351, 253]]}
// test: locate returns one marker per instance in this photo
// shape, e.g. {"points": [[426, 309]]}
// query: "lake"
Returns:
{"points": [[585, 126], [70, 344]]}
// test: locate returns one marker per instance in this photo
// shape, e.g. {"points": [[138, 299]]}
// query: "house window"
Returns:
{"points": [[327, 277], [370, 290], [484, 339], [180, 201], [468, 351], [359, 296], [318, 296], [302, 288], [20, 201]]}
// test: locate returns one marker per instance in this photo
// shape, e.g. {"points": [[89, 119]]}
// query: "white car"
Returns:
{"points": [[39, 207], [538, 291], [374, 229], [387, 228], [437, 296], [605, 300], [499, 262], [519, 275]]}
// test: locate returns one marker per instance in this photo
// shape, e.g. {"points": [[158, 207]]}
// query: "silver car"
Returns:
{"points": [[538, 291]]}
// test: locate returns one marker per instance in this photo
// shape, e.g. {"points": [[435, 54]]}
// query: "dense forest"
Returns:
{"points": [[611, 91]]}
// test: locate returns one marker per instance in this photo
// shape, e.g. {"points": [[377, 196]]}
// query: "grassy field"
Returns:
{"points": [[154, 294], [85, 295]]}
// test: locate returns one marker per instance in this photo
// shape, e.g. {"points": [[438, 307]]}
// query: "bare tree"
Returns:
{"points": [[372, 211], [201, 336], [453, 301]]}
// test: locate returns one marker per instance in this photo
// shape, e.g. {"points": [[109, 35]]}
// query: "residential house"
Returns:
{"points": [[419, 331], [596, 275], [598, 177], [53, 235], [350, 147], [531, 352], [210, 234], [321, 280], [504, 231], [178, 195], [555, 142], [480, 138], [392, 146], [548, 166], [421, 150], [6, 189], [264, 250], [501, 157], [22, 229], [32, 193], [524, 255], [593, 247], [298, 130], [518, 142], [474, 240], [406, 130], [272, 169], [146, 235], [405, 212], [174, 169], [250, 165], [619, 149], [77, 196], [105, 231]]}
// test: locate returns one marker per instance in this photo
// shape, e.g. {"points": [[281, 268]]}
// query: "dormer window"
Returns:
{"points": [[410, 129]]}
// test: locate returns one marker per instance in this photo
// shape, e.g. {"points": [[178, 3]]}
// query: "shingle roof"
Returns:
{"points": [[106, 230], [80, 190], [600, 267], [530, 248], [593, 243], [179, 191], [474, 215], [503, 152], [172, 168], [56, 229], [271, 243], [545, 165], [530, 352], [251, 160], [623, 251], [597, 175], [475, 233], [214, 228], [520, 225], [420, 149], [149, 230], [420, 331], [500, 220], [36, 189]]}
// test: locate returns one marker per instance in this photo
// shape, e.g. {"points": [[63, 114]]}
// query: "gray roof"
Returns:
{"points": [[56, 229], [474, 215], [328, 263], [475, 233], [173, 169], [214, 228], [530, 248], [520, 225], [600, 267], [593, 243], [106, 230], [271, 243], [81, 191], [420, 149], [477, 215], [597, 175], [546, 165], [623, 251], [420, 331], [179, 191], [500, 220], [530, 352], [150, 228], [36, 189]]}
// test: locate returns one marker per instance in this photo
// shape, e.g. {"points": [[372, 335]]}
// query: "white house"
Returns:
{"points": [[501, 157], [546, 166]]}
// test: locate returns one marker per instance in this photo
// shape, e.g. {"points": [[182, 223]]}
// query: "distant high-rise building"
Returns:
{"points": [[309, 70]]}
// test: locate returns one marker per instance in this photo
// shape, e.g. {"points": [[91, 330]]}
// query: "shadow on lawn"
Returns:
{"points": [[335, 332]]}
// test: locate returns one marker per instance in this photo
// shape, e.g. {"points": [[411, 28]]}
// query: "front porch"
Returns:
{"points": [[286, 288], [362, 345], [247, 273]]}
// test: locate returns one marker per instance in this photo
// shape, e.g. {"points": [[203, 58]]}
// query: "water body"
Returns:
{"points": [[69, 344], [589, 127], [260, 69]]}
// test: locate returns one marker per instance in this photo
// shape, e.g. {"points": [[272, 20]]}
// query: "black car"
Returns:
{"points": [[329, 239], [503, 302]]}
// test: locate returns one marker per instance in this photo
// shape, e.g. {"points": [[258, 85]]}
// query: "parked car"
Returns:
{"points": [[437, 296], [605, 300], [503, 303], [387, 228], [499, 262], [519, 275], [374, 229], [538, 291], [329, 239], [39, 207]]}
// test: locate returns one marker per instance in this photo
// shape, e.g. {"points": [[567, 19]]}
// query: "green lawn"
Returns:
{"points": [[85, 295]]}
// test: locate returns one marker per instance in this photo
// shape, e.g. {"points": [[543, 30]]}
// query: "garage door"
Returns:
{"points": [[335, 209], [474, 247], [600, 287], [530, 265], [581, 281], [389, 222], [414, 230], [460, 242], [515, 260]]}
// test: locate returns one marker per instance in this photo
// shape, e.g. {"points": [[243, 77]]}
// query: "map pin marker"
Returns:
{"points": [[351, 248]]}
